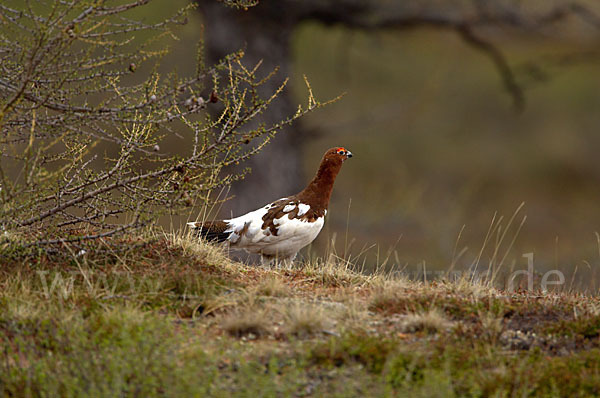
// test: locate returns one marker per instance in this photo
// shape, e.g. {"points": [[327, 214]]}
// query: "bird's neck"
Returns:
{"points": [[318, 191]]}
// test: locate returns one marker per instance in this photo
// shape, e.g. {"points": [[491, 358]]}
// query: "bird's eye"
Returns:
{"points": [[342, 152]]}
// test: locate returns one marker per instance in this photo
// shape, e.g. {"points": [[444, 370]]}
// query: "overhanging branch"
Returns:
{"points": [[464, 18]]}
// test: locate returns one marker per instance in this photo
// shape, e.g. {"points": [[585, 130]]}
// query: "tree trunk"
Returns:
{"points": [[277, 170]]}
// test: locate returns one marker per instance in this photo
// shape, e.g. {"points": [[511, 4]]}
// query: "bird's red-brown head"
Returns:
{"points": [[318, 191], [332, 163], [337, 154]]}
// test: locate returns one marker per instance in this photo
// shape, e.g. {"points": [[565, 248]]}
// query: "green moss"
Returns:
{"points": [[370, 351], [585, 327]]}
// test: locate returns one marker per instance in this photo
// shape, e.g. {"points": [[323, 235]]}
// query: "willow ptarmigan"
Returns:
{"points": [[280, 229]]}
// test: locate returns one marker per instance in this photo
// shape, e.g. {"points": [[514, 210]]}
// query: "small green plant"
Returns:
{"points": [[370, 351]]}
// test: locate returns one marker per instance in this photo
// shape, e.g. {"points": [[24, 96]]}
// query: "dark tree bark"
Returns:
{"points": [[264, 36], [264, 31]]}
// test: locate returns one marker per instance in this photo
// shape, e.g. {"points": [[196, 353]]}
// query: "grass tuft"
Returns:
{"points": [[431, 322], [246, 322], [388, 295], [303, 319], [272, 286]]}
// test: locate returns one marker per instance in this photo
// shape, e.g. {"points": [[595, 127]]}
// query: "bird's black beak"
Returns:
{"points": [[349, 154]]}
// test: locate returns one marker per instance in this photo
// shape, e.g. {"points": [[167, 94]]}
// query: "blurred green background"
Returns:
{"points": [[439, 149]]}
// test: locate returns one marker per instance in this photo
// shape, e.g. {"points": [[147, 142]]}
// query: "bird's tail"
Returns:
{"points": [[213, 231]]}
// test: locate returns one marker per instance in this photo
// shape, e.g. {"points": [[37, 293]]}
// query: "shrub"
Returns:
{"points": [[85, 115]]}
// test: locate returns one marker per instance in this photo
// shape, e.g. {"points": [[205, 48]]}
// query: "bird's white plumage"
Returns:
{"points": [[292, 234], [302, 209]]}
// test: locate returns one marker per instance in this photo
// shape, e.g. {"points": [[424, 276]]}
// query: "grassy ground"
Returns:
{"points": [[166, 316]]}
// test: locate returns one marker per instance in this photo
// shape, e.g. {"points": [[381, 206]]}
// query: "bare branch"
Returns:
{"points": [[81, 143], [463, 18], [500, 62]]}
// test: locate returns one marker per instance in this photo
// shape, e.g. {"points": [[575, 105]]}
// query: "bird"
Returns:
{"points": [[280, 229]]}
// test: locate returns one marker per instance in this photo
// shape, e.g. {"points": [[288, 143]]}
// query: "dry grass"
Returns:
{"points": [[492, 325], [303, 319], [336, 271], [472, 289], [431, 322], [204, 251], [388, 293], [177, 299], [272, 286], [353, 316], [249, 321]]}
